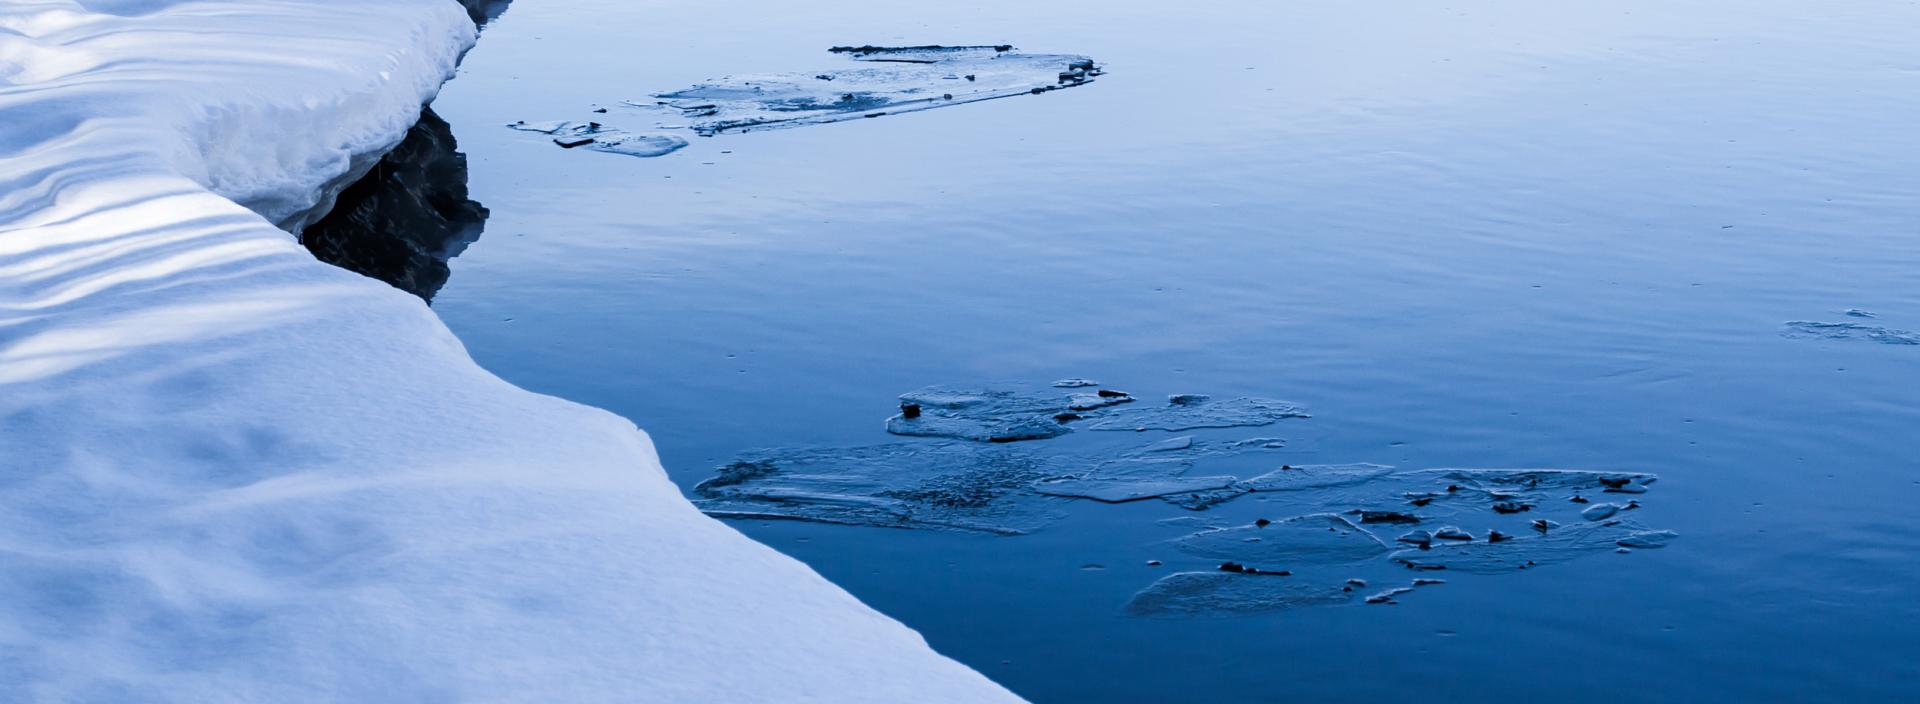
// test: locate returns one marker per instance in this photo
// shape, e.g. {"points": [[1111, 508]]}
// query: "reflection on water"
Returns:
{"points": [[402, 221], [484, 11]]}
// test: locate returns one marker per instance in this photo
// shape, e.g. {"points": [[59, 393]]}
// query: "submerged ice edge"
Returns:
{"points": [[275, 449], [892, 81]]}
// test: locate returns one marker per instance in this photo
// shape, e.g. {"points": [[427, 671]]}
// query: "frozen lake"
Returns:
{"points": [[1593, 235]]}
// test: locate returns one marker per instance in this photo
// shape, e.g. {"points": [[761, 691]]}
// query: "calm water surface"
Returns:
{"points": [[1483, 234]]}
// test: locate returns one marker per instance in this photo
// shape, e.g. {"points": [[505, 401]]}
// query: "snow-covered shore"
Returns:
{"points": [[229, 472]]}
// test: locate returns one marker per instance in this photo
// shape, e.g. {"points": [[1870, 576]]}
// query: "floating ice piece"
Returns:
{"points": [[952, 485], [1386, 597], [640, 145], [1601, 512], [1075, 383], [1558, 545], [601, 138], [1229, 594], [1801, 329], [1133, 477], [894, 80], [1100, 399], [1451, 533], [1195, 412], [1317, 476], [983, 415], [1320, 538]]}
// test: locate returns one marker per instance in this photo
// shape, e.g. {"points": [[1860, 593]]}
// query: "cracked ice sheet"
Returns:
{"points": [[1192, 412], [889, 81], [983, 414], [948, 485], [1160, 470], [1010, 413], [1228, 594], [1462, 502], [1560, 544], [885, 81], [1318, 539]]}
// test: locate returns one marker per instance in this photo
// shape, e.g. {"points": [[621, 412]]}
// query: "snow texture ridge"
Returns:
{"points": [[231, 473]]}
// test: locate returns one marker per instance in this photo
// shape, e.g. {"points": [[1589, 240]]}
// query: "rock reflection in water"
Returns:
{"points": [[410, 214]]}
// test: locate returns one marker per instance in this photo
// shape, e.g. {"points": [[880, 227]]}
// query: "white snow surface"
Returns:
{"points": [[230, 473]]}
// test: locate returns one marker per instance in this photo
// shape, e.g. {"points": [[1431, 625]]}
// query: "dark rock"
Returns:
{"points": [[407, 217]]}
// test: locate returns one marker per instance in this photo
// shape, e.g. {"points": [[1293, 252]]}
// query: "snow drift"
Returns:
{"points": [[232, 473]]}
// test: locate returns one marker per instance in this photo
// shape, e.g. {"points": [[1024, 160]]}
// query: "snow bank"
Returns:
{"points": [[231, 473]]}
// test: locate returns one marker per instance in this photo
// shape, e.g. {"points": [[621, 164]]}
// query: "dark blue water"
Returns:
{"points": [[1484, 234]]}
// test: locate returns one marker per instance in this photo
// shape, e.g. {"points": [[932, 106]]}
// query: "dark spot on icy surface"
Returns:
{"points": [[882, 81], [1850, 331], [991, 460], [407, 217]]}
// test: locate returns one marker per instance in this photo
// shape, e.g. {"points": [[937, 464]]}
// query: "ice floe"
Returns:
{"points": [[871, 81], [952, 485], [889, 81], [994, 460], [1485, 557], [1193, 412], [601, 138], [1321, 538], [982, 414]]}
